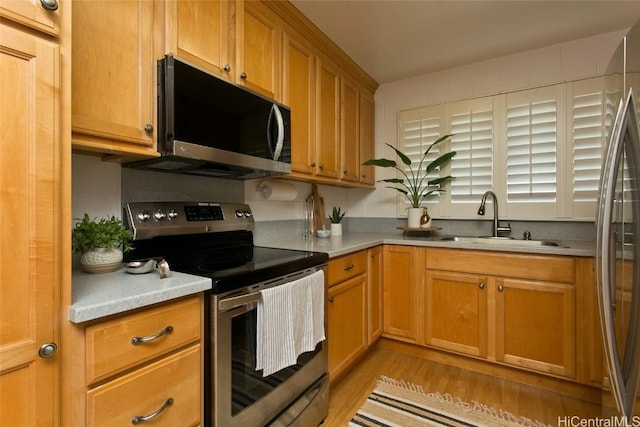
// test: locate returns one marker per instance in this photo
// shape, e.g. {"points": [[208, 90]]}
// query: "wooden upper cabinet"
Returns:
{"points": [[30, 227], [298, 93], [113, 76], [327, 161], [200, 33], [366, 137], [258, 48], [32, 14], [349, 129]]}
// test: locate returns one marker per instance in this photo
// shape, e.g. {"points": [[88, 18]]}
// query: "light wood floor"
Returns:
{"points": [[350, 392]]}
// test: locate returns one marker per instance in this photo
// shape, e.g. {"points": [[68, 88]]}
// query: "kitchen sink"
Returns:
{"points": [[495, 241]]}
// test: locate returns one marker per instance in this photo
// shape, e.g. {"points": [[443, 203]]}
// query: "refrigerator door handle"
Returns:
{"points": [[624, 144]]}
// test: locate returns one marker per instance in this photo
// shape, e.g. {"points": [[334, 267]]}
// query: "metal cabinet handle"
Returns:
{"points": [[243, 76], [313, 164], [142, 340], [142, 418], [481, 285], [226, 68], [148, 128], [321, 166], [330, 299], [348, 267], [500, 288], [47, 350], [345, 172], [49, 4]]}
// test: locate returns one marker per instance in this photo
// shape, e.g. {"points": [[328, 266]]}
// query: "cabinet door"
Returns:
{"points": [[347, 332], [350, 131], [374, 293], [535, 325], [258, 50], [113, 76], [29, 229], [327, 119], [299, 94], [366, 137], [456, 312], [402, 289], [199, 32]]}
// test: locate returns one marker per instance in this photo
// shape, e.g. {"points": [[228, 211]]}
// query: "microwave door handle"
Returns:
{"points": [[275, 111]]}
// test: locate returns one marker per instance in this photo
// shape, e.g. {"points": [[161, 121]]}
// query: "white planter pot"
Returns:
{"points": [[336, 229], [413, 217], [101, 260]]}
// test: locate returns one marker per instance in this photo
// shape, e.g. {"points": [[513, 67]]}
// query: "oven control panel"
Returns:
{"points": [[151, 219]]}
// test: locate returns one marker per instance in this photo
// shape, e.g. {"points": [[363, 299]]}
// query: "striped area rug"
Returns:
{"points": [[400, 404]]}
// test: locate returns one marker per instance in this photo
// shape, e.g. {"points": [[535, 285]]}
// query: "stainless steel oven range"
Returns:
{"points": [[216, 240]]}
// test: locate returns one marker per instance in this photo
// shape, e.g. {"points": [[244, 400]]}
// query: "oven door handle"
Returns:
{"points": [[235, 302]]}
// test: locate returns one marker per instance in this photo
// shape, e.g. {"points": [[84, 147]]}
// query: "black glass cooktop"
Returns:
{"points": [[230, 260]]}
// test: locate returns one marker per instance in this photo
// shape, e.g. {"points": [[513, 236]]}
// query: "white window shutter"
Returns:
{"points": [[471, 123]]}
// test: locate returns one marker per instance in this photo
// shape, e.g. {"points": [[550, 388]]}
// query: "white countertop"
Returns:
{"points": [[337, 246], [100, 295], [104, 294]]}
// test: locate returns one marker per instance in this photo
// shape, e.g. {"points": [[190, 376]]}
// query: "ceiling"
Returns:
{"points": [[398, 39]]}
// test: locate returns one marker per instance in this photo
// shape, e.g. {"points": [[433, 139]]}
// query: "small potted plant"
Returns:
{"points": [[100, 243], [335, 218], [415, 184]]}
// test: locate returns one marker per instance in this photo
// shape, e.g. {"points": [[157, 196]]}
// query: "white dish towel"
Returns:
{"points": [[290, 321]]}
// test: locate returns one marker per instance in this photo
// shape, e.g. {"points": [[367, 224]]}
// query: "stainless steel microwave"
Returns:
{"points": [[209, 126]]}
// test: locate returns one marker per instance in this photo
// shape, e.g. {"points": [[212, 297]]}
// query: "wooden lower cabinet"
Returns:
{"points": [[456, 312], [346, 312], [403, 266], [535, 325], [347, 324], [528, 320], [148, 363]]}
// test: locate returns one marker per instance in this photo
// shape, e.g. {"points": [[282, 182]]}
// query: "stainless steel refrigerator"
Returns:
{"points": [[618, 227]]}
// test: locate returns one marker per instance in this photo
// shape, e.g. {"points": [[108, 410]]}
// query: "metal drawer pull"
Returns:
{"points": [[141, 418], [142, 340], [348, 267], [500, 288]]}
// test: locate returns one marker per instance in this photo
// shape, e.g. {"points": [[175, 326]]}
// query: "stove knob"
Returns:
{"points": [[159, 215], [247, 214], [239, 213], [173, 214], [143, 216]]}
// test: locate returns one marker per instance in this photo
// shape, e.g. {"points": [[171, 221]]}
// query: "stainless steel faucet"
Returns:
{"points": [[496, 221]]}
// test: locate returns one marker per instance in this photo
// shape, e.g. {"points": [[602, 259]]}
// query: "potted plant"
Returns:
{"points": [[415, 184], [99, 242], [335, 218]]}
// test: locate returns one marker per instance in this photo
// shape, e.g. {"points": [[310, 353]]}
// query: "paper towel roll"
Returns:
{"points": [[277, 191]]}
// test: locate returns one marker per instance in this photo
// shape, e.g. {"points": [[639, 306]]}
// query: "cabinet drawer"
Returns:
{"points": [[109, 345], [144, 391], [346, 267]]}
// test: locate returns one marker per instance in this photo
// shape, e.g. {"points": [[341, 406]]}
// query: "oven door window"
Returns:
{"points": [[247, 384]]}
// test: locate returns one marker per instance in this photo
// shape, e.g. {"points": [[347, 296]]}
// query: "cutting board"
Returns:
{"points": [[319, 214]]}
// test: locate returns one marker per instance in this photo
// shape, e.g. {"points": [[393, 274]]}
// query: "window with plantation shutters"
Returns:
{"points": [[471, 123], [540, 150], [531, 146]]}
